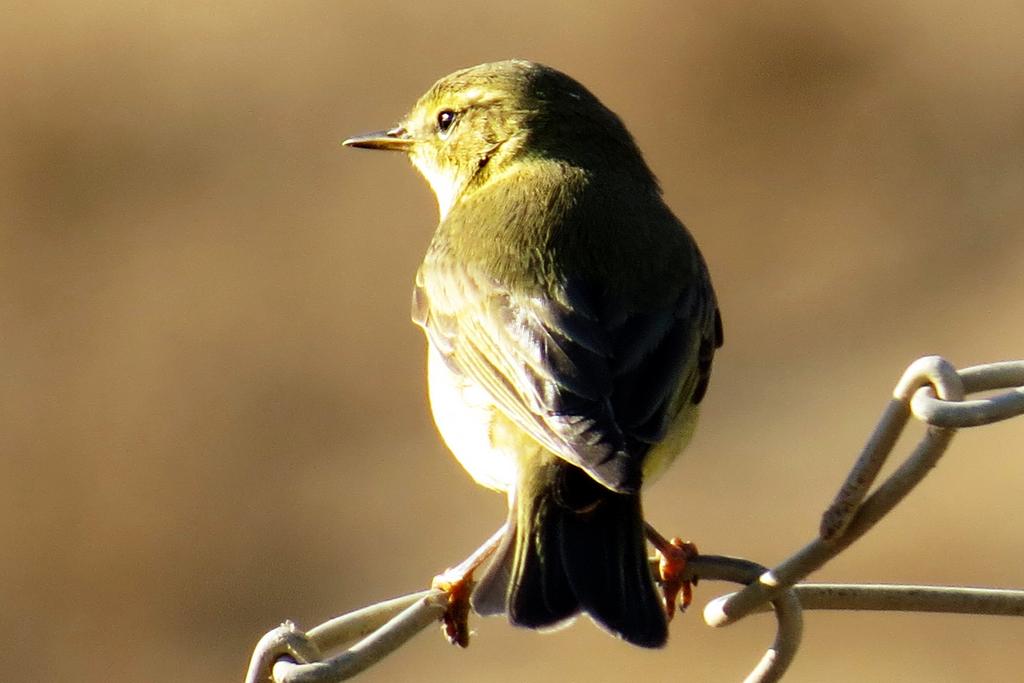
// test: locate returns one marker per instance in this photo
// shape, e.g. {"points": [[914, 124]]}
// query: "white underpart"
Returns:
{"points": [[463, 412]]}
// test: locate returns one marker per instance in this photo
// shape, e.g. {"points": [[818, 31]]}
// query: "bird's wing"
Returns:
{"points": [[589, 381]]}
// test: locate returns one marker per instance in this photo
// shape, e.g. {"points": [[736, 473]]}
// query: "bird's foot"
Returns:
{"points": [[457, 583], [455, 621], [673, 557]]}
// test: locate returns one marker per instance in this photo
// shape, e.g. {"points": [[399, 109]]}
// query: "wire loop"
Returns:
{"points": [[931, 390]]}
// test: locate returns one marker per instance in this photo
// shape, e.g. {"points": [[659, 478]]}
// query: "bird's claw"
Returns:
{"points": [[673, 558], [455, 620]]}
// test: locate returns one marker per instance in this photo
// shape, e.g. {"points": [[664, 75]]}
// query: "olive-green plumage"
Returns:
{"points": [[571, 326]]}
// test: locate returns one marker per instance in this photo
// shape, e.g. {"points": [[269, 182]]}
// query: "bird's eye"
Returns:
{"points": [[445, 120]]}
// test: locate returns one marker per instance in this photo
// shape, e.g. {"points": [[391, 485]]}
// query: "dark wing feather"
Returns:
{"points": [[591, 382]]}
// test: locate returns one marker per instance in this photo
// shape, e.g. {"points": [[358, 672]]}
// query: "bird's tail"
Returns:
{"points": [[572, 545]]}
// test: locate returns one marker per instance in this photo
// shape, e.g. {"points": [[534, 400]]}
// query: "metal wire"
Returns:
{"points": [[931, 390]]}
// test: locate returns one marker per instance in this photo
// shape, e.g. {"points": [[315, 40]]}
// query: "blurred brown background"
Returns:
{"points": [[212, 410]]}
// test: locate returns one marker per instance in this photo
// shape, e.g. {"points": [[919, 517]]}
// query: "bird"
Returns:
{"points": [[571, 325]]}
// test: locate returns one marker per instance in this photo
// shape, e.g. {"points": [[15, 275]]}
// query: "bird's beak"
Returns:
{"points": [[397, 139]]}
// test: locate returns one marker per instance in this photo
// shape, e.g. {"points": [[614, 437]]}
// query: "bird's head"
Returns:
{"points": [[476, 124]]}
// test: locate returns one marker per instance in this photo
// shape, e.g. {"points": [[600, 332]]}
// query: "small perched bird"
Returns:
{"points": [[571, 325]]}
